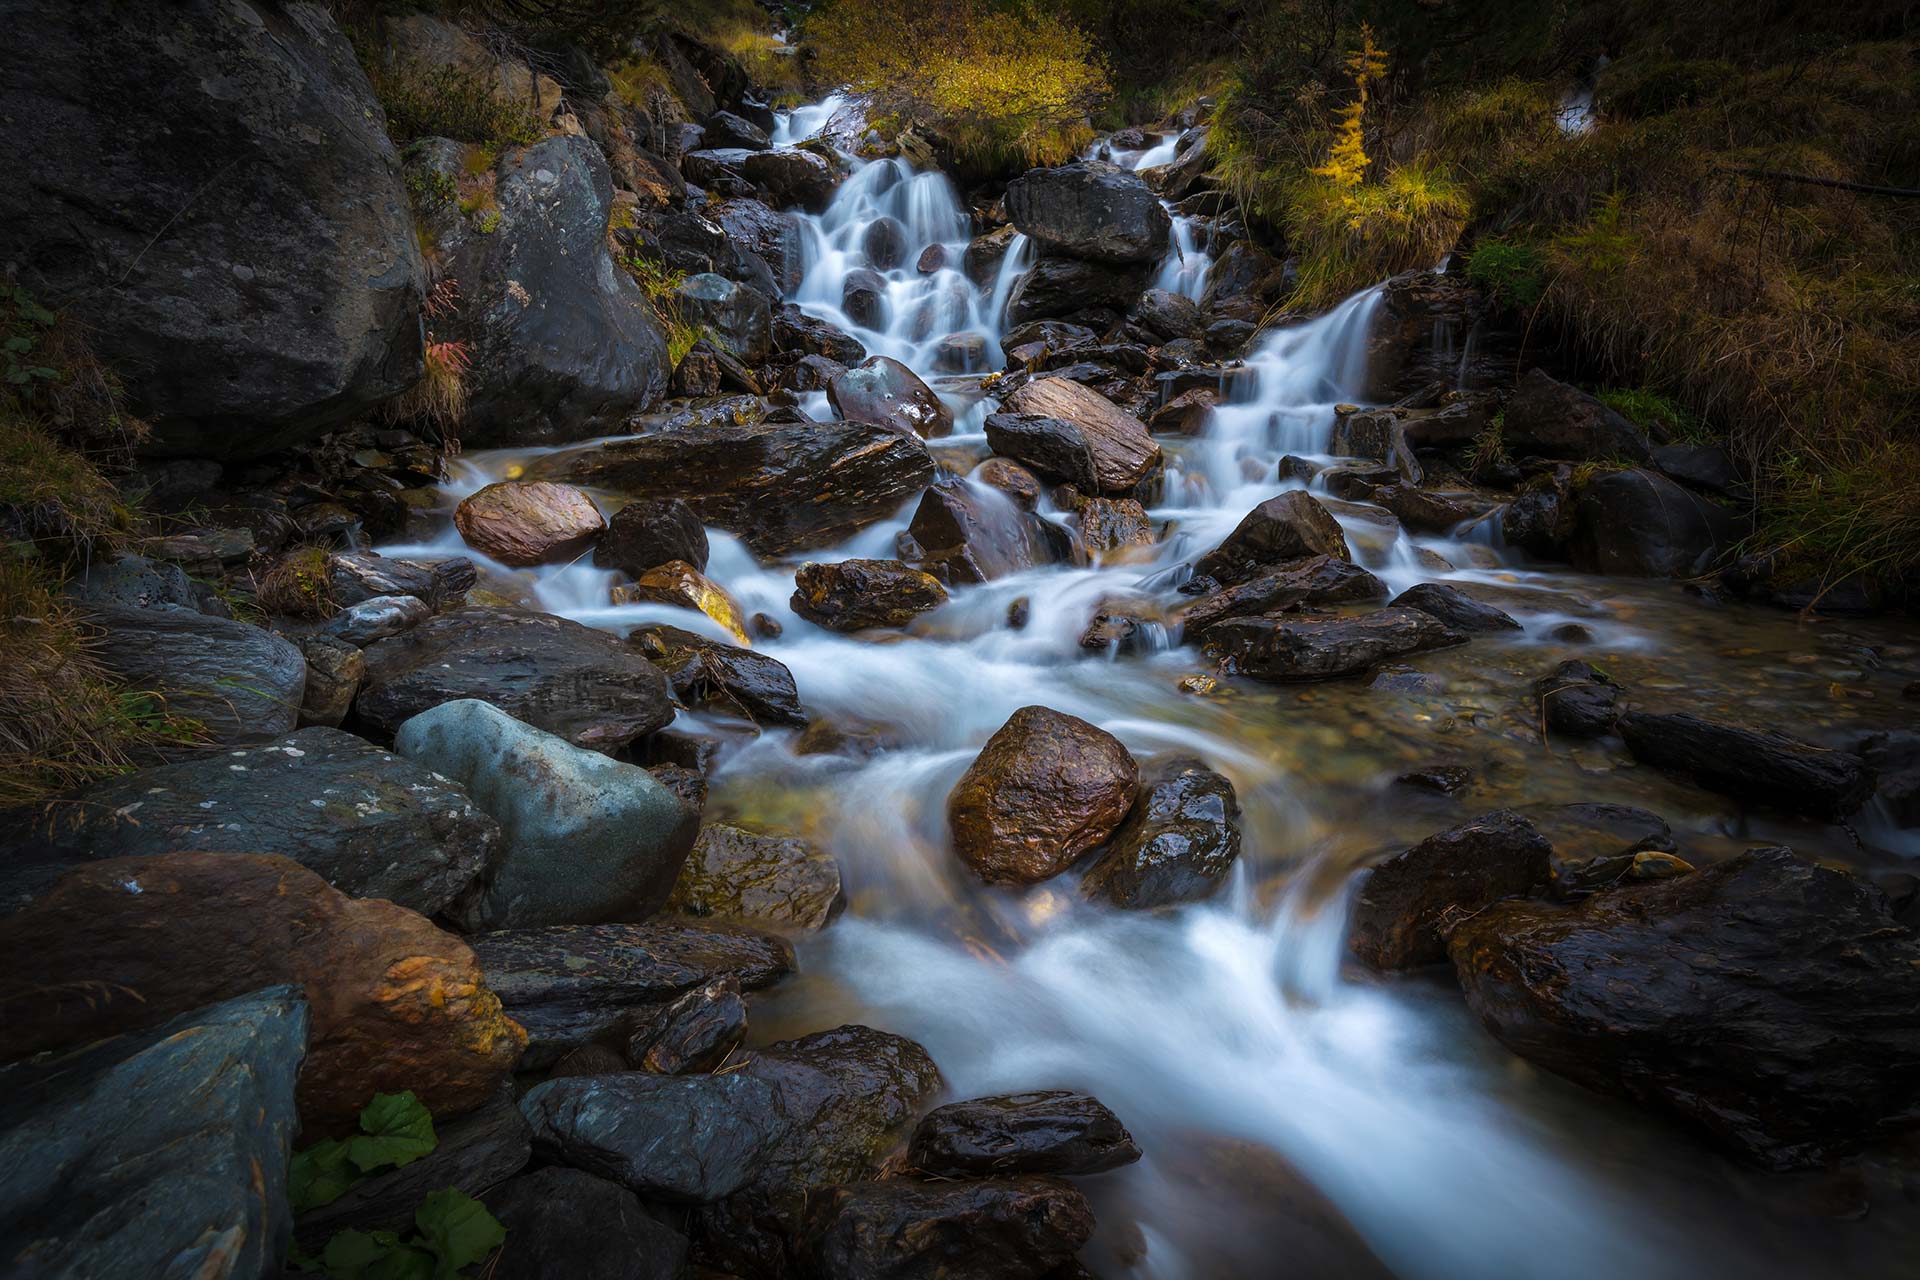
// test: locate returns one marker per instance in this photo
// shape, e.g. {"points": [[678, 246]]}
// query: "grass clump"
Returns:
{"points": [[1662, 415], [1349, 238], [297, 585], [451, 101], [1511, 272], [661, 284]]}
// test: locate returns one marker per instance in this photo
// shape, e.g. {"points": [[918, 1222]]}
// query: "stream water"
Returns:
{"points": [[1228, 1036]]}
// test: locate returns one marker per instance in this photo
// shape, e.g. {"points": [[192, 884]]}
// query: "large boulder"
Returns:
{"points": [[1178, 844], [883, 390], [240, 249], [239, 684], [1760, 767], [967, 532], [1290, 526], [722, 677], [1045, 788], [370, 825], [650, 532], [852, 595], [529, 522], [1317, 580], [565, 1222], [1760, 1000], [995, 1229], [1090, 209], [581, 684], [781, 881], [1639, 524], [1056, 287], [795, 331], [738, 316], [158, 1153], [771, 236], [1049, 1131], [1277, 649], [792, 178], [1455, 608], [778, 486], [1408, 905], [396, 1003], [1551, 419], [563, 343], [586, 838], [570, 984], [1072, 433]]}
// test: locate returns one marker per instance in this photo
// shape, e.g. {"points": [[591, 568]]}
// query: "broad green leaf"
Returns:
{"points": [[397, 1130], [319, 1175], [350, 1253], [459, 1229], [19, 344], [405, 1262]]}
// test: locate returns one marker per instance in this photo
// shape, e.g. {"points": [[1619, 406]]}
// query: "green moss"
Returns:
{"points": [[1511, 272], [1652, 410]]}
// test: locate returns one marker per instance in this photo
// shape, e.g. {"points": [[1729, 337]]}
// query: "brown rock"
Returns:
{"points": [[1187, 413], [1009, 477], [1107, 524], [694, 1033], [851, 595], [679, 583], [1291, 526], [1410, 903], [528, 522], [395, 1002], [763, 879], [1121, 452], [1046, 788], [1317, 581]]}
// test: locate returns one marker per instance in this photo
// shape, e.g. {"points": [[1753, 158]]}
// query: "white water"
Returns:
{"points": [[1184, 269], [1229, 1019]]}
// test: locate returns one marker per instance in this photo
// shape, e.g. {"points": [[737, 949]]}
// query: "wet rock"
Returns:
{"points": [[852, 595], [811, 373], [565, 1222], [1178, 843], [720, 677], [999, 1229], [718, 170], [289, 304], [1894, 758], [571, 984], [1576, 701], [354, 576], [1292, 526], [884, 243], [792, 178], [679, 584], [1430, 511], [725, 129], [771, 236], [1188, 413], [1107, 524], [1071, 433], [970, 533], [334, 671], [581, 684], [1045, 788], [362, 624], [1698, 466], [843, 1096], [396, 1003], [778, 486], [1121, 625], [1049, 1131], [133, 582], [1640, 524], [529, 522], [1455, 608], [1069, 288], [708, 370], [1378, 436], [1539, 520], [373, 826], [647, 533], [586, 837], [241, 684], [961, 353], [1750, 999], [1410, 904], [762, 879], [984, 254], [1763, 768], [1441, 779], [692, 1034], [1317, 580], [686, 783], [101, 1183], [795, 330], [1554, 420], [1168, 315], [1020, 485], [1090, 209], [738, 316], [884, 391], [1275, 649]]}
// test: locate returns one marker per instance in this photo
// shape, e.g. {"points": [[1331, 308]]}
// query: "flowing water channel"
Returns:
{"points": [[1248, 1062]]}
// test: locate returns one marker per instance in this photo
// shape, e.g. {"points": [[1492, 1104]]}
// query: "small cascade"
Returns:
{"points": [[1184, 270]]}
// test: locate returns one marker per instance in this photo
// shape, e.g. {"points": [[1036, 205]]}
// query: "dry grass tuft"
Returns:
{"points": [[298, 584]]}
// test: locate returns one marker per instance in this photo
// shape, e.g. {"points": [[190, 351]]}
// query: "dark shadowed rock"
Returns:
{"points": [[1178, 843], [1455, 608], [1069, 432], [334, 671], [1640, 524], [780, 881], [1050, 1131], [885, 391], [355, 576], [1280, 650], [694, 1033], [884, 243], [1698, 466], [566, 1222], [792, 178], [1555, 420], [796, 331], [1168, 315], [725, 129], [722, 677], [1576, 701], [852, 595], [772, 236], [1071, 288], [1000, 1229], [1044, 789], [1090, 209], [1291, 526], [967, 532], [1377, 435], [1409, 904], [738, 316], [102, 1180], [1763, 768], [1539, 520], [1318, 580], [648, 533], [1762, 1001]]}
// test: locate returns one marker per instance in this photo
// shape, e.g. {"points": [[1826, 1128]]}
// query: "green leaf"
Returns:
{"points": [[458, 1229], [319, 1175], [18, 375], [397, 1130], [350, 1253], [19, 344], [405, 1262]]}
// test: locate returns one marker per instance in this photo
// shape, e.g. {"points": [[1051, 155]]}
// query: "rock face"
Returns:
{"points": [[1278, 650], [1755, 999], [1291, 526], [1318, 580], [371, 825], [720, 677], [585, 837], [651, 532], [572, 983], [284, 295], [1409, 904], [1069, 432], [1050, 1131], [1455, 608], [396, 1003], [1640, 524], [563, 1222], [1000, 1229], [1179, 842], [1768, 769], [778, 486], [1046, 788], [775, 880], [1555, 420], [581, 684], [1090, 210], [852, 595], [100, 1183], [738, 316], [529, 522], [563, 342], [242, 684], [883, 390]]}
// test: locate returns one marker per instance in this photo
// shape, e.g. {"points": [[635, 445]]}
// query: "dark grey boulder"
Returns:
{"points": [[240, 249], [725, 129], [1178, 843], [1049, 1131], [1168, 315], [1408, 905], [650, 532], [1056, 287], [370, 823], [1760, 767], [1551, 419], [1092, 210], [370, 620], [1698, 466], [1455, 608], [356, 576], [1291, 526], [863, 297], [693, 1035], [792, 178], [1638, 523], [738, 316], [241, 684], [767, 234], [998, 1229], [1576, 701], [1277, 649], [567, 1223], [967, 532], [1317, 580], [133, 582], [160, 1153], [796, 331], [883, 390], [722, 677]]}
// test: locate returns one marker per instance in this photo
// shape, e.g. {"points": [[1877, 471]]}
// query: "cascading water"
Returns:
{"points": [[1184, 270], [1218, 1031]]}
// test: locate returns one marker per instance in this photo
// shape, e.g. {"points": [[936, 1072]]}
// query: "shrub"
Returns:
{"points": [[1511, 272], [1349, 238], [449, 101], [297, 585]]}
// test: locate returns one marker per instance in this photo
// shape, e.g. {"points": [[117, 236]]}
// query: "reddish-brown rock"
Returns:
{"points": [[1119, 452], [528, 522], [851, 595]]}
